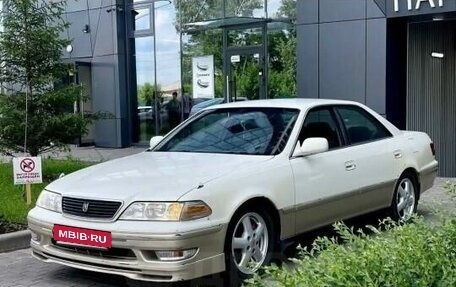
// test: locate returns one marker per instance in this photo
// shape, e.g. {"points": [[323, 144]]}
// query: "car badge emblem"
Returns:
{"points": [[85, 207]]}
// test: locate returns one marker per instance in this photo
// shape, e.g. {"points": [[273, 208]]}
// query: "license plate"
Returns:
{"points": [[82, 236]]}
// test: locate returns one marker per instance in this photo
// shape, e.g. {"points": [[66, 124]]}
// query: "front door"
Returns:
{"points": [[246, 74], [84, 79], [321, 179]]}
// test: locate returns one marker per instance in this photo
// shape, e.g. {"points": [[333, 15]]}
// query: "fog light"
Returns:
{"points": [[176, 255], [35, 236]]}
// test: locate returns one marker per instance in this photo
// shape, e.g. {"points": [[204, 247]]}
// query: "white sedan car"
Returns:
{"points": [[222, 190]]}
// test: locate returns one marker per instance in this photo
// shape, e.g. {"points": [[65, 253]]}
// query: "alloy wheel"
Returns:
{"points": [[249, 246], [405, 199]]}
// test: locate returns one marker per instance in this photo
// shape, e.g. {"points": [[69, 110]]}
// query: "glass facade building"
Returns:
{"points": [[133, 55], [252, 44]]}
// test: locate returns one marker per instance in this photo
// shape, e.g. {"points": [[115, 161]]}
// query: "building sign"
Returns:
{"points": [[203, 77], [27, 170], [416, 4], [235, 58]]}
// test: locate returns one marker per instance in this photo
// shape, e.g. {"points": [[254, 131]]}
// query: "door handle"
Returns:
{"points": [[397, 153], [350, 165]]}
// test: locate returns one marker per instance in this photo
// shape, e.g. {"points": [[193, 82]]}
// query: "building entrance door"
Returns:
{"points": [[246, 74], [84, 79], [245, 64]]}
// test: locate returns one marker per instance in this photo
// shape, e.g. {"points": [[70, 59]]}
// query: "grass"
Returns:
{"points": [[12, 203]]}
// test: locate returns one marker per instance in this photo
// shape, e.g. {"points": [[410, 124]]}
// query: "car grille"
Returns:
{"points": [[113, 253], [96, 208]]}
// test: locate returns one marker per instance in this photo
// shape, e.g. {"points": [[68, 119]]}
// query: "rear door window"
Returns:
{"points": [[361, 126]]}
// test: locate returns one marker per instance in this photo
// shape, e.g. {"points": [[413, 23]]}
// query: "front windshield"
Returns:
{"points": [[255, 131]]}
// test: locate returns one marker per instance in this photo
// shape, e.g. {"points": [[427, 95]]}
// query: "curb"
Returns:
{"points": [[15, 241]]}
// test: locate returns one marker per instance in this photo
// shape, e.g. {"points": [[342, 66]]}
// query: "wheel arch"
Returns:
{"points": [[412, 171], [264, 203]]}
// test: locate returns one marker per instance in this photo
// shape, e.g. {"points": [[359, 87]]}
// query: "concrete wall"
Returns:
{"points": [[342, 51], [103, 45]]}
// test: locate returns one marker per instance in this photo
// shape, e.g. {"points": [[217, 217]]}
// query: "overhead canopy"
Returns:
{"points": [[227, 22]]}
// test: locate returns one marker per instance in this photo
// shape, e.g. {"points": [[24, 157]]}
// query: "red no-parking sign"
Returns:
{"points": [[27, 170]]}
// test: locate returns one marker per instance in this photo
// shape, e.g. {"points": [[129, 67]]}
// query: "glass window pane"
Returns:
{"points": [[246, 77], [144, 66], [256, 131], [282, 9], [282, 60], [168, 66], [245, 8], [360, 126], [1, 19], [245, 37], [142, 19], [320, 123], [193, 11]]}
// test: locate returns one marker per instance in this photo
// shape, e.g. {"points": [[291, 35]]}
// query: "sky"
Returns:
{"points": [[168, 47]]}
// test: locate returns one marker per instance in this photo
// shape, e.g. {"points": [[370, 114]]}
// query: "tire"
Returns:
{"points": [[405, 198], [249, 244]]}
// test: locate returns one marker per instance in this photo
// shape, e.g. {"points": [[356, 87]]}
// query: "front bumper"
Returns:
{"points": [[132, 254]]}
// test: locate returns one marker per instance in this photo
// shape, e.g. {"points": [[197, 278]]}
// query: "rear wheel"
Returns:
{"points": [[405, 200], [249, 244]]}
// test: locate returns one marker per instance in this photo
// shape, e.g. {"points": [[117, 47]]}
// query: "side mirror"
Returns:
{"points": [[155, 141], [311, 146]]}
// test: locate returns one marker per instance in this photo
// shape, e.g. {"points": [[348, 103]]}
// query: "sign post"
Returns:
{"points": [[27, 171], [28, 193], [203, 77]]}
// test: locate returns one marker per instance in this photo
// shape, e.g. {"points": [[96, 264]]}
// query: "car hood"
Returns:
{"points": [[150, 176]]}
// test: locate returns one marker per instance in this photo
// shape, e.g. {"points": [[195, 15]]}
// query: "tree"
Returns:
{"points": [[191, 11], [282, 48], [36, 113], [146, 92]]}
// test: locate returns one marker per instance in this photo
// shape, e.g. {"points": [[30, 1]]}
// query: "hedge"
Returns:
{"points": [[416, 254]]}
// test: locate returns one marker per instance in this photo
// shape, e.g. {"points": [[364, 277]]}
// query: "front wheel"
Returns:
{"points": [[405, 200], [249, 244]]}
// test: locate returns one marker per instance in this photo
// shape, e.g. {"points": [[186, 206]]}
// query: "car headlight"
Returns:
{"points": [[166, 211], [50, 200]]}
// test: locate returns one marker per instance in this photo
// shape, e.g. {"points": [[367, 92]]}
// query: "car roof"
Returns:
{"points": [[304, 105], [293, 103]]}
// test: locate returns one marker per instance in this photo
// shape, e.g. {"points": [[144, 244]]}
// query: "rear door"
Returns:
{"points": [[373, 155]]}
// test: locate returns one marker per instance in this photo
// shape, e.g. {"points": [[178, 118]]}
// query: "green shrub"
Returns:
{"points": [[450, 187], [414, 254]]}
